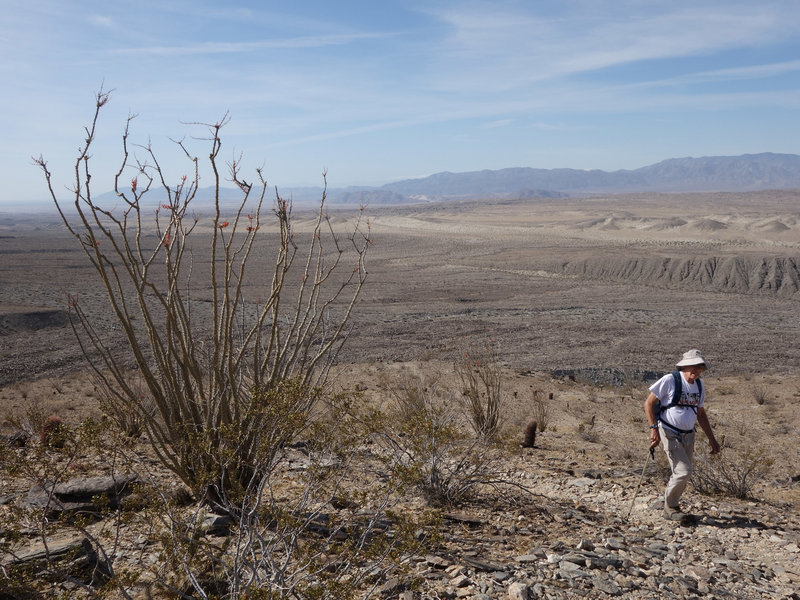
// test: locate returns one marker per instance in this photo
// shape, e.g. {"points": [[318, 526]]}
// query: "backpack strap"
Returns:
{"points": [[676, 400], [676, 394], [678, 390]]}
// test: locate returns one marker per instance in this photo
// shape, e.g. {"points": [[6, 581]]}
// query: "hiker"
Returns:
{"points": [[673, 416]]}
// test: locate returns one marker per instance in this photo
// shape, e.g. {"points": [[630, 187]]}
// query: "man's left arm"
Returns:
{"points": [[702, 420]]}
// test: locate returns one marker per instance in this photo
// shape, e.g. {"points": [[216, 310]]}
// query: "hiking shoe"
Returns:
{"points": [[676, 514], [673, 514]]}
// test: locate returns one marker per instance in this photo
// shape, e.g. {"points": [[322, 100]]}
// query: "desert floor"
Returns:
{"points": [[510, 274], [564, 290]]}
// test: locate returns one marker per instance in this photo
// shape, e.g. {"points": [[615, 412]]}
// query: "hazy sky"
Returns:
{"points": [[376, 91]]}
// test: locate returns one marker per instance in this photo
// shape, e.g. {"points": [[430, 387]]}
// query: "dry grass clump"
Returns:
{"points": [[733, 472], [541, 409], [425, 447], [482, 383], [760, 393]]}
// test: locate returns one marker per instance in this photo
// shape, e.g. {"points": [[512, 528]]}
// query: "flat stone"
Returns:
{"points": [[483, 565], [603, 562], [616, 543], [699, 573], [391, 586], [217, 525], [92, 486], [528, 558], [463, 518], [73, 555], [437, 561], [607, 586], [37, 550], [582, 482], [566, 565], [78, 495]]}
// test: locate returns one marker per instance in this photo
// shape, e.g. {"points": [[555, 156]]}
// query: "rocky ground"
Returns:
{"points": [[569, 296], [562, 529]]}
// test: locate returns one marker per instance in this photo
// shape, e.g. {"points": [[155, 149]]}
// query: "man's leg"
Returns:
{"points": [[679, 449]]}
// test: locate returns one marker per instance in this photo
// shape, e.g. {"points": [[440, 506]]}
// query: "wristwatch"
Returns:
{"points": [[654, 426]]}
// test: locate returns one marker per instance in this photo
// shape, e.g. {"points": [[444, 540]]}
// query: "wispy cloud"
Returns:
{"points": [[497, 124], [101, 21], [512, 46], [320, 41], [751, 72]]}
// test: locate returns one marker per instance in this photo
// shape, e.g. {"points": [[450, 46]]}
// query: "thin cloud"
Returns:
{"points": [[319, 41], [510, 48], [499, 123], [102, 21], [738, 73]]}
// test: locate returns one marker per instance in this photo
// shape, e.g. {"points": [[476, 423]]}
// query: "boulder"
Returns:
{"points": [[82, 495]]}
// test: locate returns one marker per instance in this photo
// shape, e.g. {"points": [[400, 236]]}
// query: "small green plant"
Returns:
{"points": [[53, 432]]}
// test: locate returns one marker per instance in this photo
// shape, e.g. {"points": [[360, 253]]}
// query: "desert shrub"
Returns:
{"points": [[263, 331], [128, 417], [316, 532], [481, 378], [739, 425], [541, 409], [591, 392], [587, 432], [425, 447], [53, 432], [229, 377], [730, 473], [760, 393], [50, 517], [31, 419]]}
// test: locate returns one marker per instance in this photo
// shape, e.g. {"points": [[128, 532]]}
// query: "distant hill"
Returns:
{"points": [[748, 172]]}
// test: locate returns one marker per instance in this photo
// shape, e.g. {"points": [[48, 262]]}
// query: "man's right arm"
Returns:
{"points": [[650, 412]]}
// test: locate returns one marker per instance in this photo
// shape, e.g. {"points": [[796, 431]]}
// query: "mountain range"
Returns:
{"points": [[748, 172]]}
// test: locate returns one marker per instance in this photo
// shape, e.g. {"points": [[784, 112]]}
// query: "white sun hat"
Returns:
{"points": [[691, 358]]}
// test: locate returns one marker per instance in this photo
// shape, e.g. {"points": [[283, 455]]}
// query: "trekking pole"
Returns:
{"points": [[650, 454]]}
